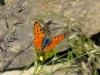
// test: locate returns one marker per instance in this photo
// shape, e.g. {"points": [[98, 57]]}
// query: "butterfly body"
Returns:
{"points": [[42, 42], [46, 42]]}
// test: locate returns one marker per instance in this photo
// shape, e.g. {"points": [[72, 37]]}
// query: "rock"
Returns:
{"points": [[61, 12], [47, 70]]}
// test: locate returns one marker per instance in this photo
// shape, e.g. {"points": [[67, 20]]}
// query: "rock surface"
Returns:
{"points": [[47, 68], [57, 11]]}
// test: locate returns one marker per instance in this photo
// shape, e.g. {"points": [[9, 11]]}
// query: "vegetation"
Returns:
{"points": [[82, 53]]}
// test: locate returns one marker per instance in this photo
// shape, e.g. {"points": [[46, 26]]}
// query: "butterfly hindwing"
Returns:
{"points": [[54, 41], [38, 31], [38, 43]]}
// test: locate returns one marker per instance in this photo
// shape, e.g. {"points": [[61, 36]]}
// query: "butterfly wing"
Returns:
{"points": [[54, 41], [38, 43], [38, 31], [39, 34]]}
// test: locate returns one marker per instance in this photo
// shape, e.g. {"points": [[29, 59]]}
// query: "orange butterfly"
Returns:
{"points": [[42, 42]]}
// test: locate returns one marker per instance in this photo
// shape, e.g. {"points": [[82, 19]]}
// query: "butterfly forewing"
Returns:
{"points": [[54, 41], [58, 38], [38, 31]]}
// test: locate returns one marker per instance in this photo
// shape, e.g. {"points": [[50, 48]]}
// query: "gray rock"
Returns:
{"points": [[59, 11]]}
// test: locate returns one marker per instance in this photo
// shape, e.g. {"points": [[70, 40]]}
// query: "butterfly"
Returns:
{"points": [[42, 42]]}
